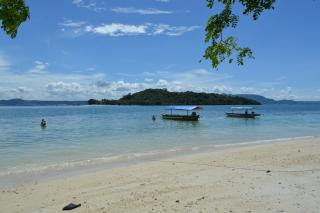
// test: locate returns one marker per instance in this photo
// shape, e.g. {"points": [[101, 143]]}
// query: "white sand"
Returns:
{"points": [[231, 180]]}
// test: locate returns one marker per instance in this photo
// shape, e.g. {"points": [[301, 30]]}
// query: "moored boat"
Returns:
{"points": [[242, 112], [178, 117]]}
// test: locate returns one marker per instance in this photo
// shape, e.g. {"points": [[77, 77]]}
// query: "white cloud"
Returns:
{"points": [[116, 29], [247, 90], [39, 68], [149, 74], [119, 29], [171, 30], [286, 93], [18, 92], [202, 75], [264, 91], [165, 1], [61, 88], [281, 78], [91, 69], [39, 83], [122, 86], [201, 72], [148, 79], [88, 4], [4, 63], [70, 23], [163, 83], [147, 11]]}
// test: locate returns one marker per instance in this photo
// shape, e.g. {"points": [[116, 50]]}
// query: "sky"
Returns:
{"points": [[81, 49]]}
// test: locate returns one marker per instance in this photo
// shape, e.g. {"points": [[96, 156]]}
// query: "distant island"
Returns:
{"points": [[264, 100], [21, 102], [164, 97]]}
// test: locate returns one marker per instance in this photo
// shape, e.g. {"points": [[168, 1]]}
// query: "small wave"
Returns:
{"points": [[264, 141], [38, 168]]}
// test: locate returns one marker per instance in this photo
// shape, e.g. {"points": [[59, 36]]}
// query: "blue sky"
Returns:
{"points": [[81, 49]]}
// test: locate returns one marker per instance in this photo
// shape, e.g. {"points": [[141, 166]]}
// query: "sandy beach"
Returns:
{"points": [[278, 177]]}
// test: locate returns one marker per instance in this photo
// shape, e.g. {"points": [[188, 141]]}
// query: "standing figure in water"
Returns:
{"points": [[43, 123], [153, 117]]}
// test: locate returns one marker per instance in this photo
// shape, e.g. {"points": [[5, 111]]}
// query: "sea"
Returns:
{"points": [[85, 136]]}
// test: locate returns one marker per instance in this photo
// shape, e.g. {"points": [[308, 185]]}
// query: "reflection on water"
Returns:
{"points": [[182, 124]]}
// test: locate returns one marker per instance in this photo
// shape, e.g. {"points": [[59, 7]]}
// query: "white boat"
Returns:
{"points": [[242, 112]]}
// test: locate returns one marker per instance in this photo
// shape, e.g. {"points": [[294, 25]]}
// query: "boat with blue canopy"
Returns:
{"points": [[242, 112], [188, 117]]}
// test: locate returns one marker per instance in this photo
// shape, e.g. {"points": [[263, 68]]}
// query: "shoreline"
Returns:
{"points": [[64, 170], [282, 176]]}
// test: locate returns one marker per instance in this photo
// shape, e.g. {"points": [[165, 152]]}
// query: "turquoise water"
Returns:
{"points": [[81, 134]]}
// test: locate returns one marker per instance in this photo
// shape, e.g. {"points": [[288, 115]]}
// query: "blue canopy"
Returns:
{"points": [[188, 108]]}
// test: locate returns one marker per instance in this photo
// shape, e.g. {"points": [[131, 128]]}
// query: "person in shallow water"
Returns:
{"points": [[43, 123], [153, 117]]}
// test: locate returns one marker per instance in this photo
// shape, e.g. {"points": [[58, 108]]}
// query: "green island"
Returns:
{"points": [[165, 97]]}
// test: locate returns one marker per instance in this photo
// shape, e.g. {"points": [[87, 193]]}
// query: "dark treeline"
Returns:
{"points": [[164, 97]]}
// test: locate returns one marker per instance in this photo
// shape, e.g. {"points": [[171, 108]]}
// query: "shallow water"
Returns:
{"points": [[78, 135]]}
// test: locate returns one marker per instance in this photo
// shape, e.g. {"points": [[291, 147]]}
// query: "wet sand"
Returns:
{"points": [[278, 177]]}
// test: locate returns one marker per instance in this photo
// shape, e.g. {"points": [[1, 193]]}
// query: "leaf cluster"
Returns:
{"points": [[12, 14], [221, 48]]}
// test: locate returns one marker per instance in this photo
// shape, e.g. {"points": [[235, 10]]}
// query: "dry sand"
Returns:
{"points": [[229, 180]]}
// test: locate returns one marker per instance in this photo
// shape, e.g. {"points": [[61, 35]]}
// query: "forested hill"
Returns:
{"points": [[164, 97]]}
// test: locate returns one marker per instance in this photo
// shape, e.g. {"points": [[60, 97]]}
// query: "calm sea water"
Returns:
{"points": [[91, 133]]}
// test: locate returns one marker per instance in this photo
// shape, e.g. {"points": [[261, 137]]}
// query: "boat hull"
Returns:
{"points": [[242, 115], [180, 117]]}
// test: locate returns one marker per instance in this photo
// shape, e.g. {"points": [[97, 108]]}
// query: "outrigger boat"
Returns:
{"points": [[192, 117], [248, 112]]}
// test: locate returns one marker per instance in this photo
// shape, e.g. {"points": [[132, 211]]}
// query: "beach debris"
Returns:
{"points": [[201, 198], [268, 171], [177, 201], [71, 206]]}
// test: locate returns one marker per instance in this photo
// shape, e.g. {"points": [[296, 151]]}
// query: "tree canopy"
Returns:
{"points": [[220, 48], [12, 14]]}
